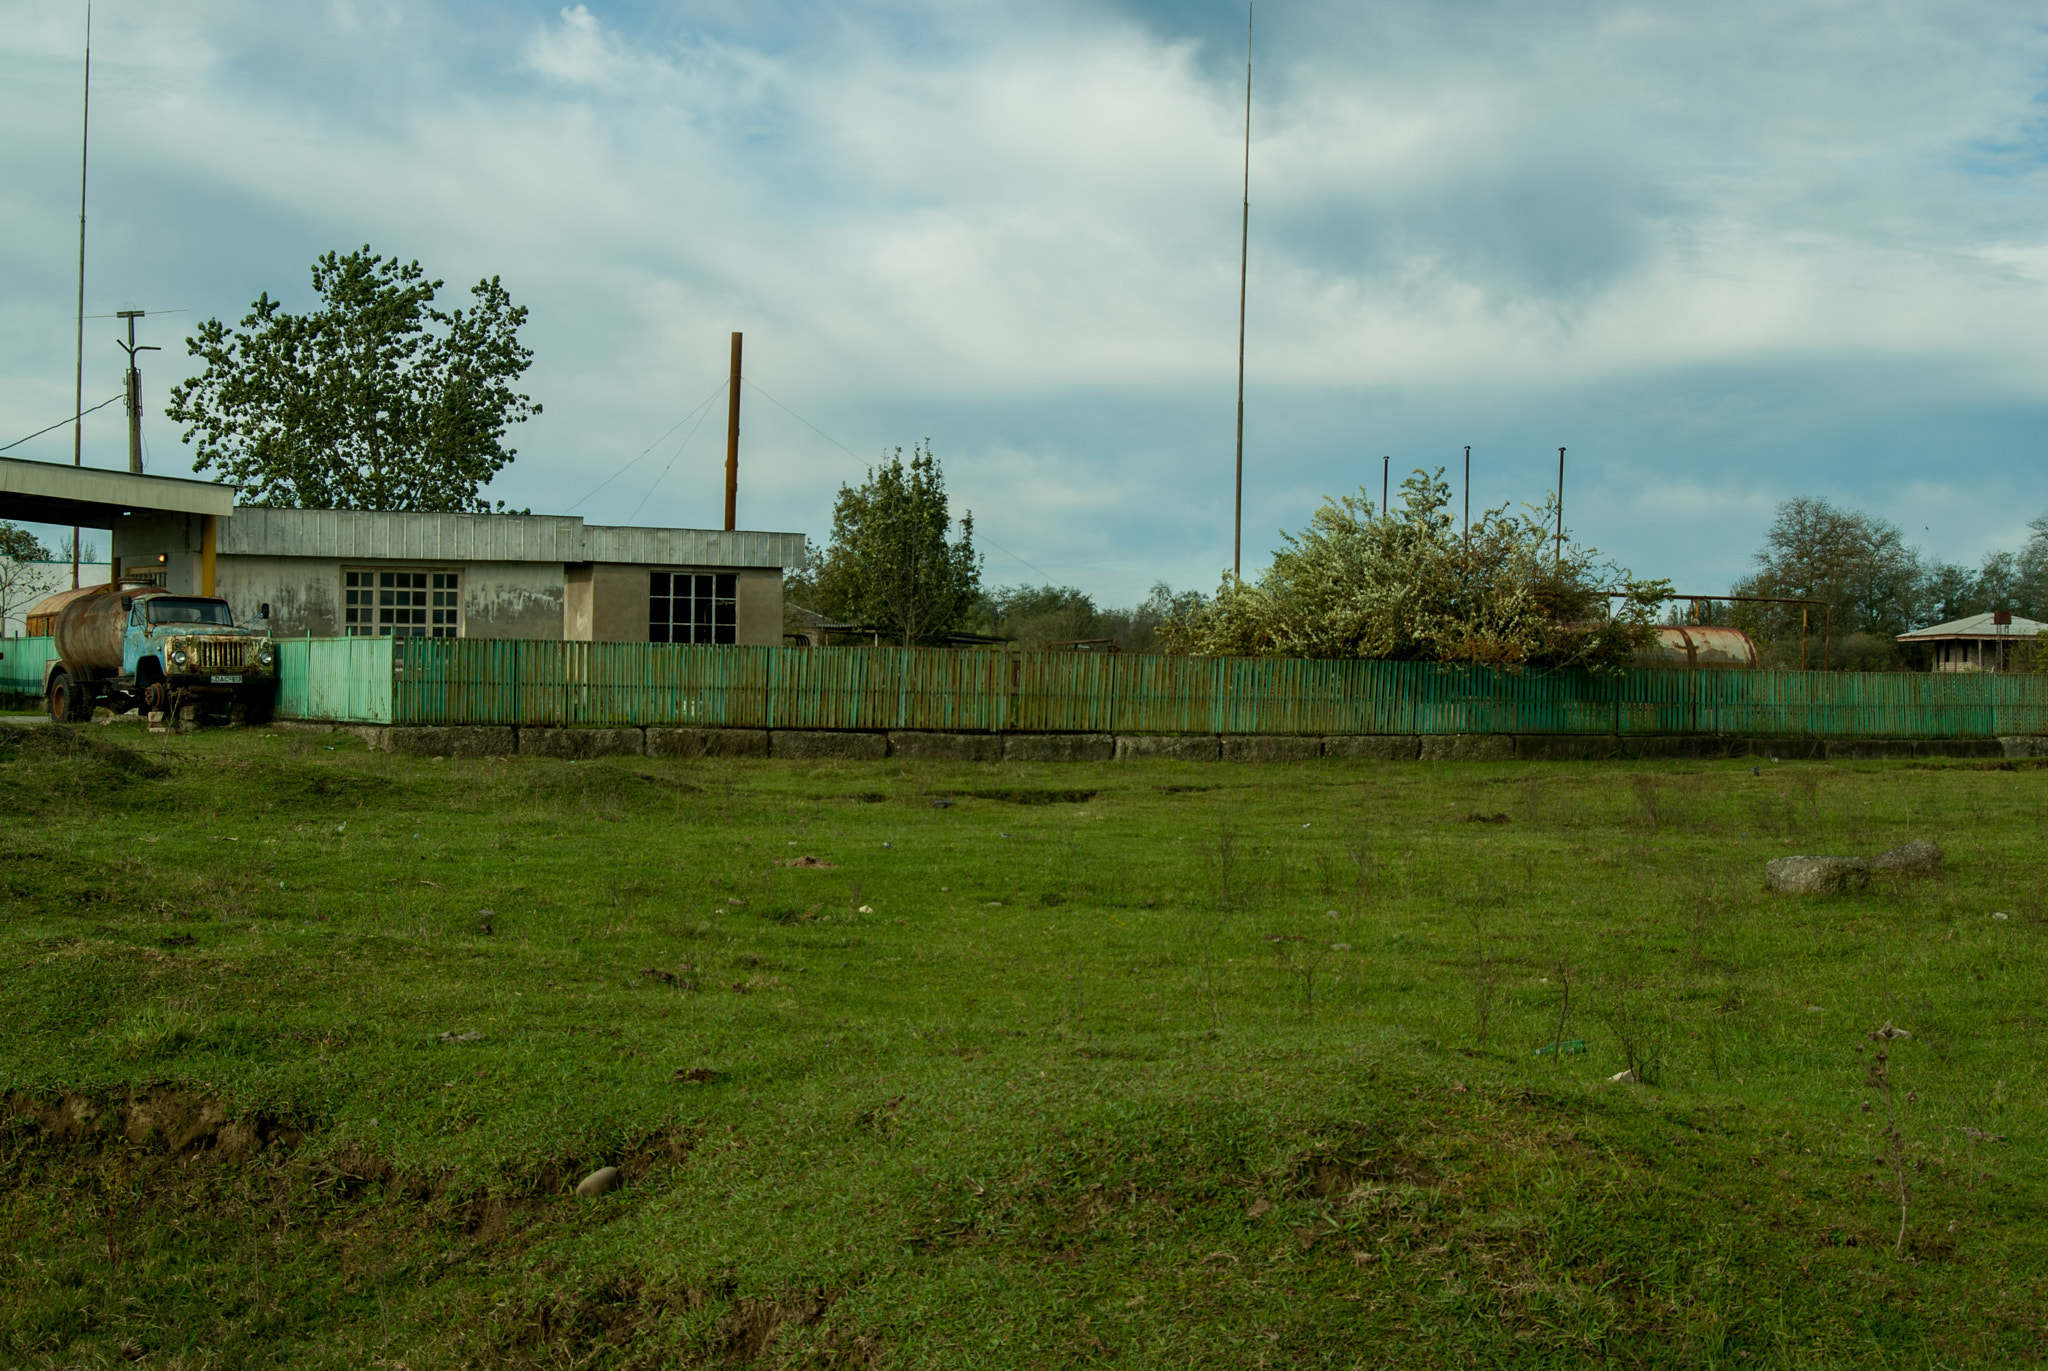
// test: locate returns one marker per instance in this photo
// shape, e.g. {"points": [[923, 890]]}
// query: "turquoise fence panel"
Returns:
{"points": [[347, 680], [489, 681], [22, 661], [1077, 692]]}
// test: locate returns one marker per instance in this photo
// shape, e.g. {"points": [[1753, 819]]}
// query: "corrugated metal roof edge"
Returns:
{"points": [[1978, 626], [374, 534]]}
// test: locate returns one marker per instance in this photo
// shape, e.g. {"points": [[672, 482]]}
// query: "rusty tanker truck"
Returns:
{"points": [[144, 648]]}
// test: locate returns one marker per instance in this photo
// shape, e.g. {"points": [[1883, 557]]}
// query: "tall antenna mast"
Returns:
{"points": [[78, 392], [1244, 244]]}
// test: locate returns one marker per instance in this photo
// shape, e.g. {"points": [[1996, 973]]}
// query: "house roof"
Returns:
{"points": [[387, 535], [1977, 626]]}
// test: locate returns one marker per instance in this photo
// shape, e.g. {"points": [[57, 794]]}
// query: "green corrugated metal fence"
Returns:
{"points": [[21, 664], [485, 681], [506, 681], [335, 678]]}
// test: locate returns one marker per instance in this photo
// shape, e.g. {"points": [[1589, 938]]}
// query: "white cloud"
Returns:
{"points": [[1675, 236]]}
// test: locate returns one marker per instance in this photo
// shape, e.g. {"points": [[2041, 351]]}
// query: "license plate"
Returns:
{"points": [[227, 680]]}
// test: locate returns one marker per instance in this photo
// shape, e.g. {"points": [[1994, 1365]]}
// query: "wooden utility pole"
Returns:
{"points": [[732, 441], [133, 388]]}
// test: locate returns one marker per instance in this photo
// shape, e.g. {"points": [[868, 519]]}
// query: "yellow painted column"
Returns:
{"points": [[206, 541]]}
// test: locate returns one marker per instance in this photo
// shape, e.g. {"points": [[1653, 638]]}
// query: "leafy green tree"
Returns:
{"points": [[1856, 562], [374, 400], [1363, 583], [890, 564]]}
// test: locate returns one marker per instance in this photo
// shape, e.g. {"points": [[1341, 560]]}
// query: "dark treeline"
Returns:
{"points": [[1033, 616], [1878, 584]]}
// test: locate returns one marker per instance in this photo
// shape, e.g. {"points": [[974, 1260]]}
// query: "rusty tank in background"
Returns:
{"points": [[88, 630], [1700, 648]]}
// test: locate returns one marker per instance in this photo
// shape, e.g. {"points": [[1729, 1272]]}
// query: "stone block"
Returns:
{"points": [[1058, 747], [436, 741], [1788, 749], [1816, 875], [1373, 747], [1960, 747], [2023, 746], [1920, 855], [1253, 748], [707, 742], [818, 745], [947, 747], [1567, 747], [1169, 747], [578, 744], [1868, 749], [1468, 747]]}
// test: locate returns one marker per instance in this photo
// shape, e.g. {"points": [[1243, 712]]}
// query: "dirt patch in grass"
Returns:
{"points": [[1018, 795]]}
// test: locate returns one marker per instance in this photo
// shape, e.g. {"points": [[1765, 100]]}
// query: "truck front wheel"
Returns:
{"points": [[67, 703]]}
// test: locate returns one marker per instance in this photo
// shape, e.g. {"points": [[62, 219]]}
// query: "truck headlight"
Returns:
{"points": [[266, 655], [178, 657]]}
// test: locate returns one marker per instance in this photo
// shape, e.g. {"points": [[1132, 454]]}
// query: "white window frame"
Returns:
{"points": [[433, 607]]}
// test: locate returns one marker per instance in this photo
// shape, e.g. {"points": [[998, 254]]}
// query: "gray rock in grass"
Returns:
{"points": [[1915, 856], [1816, 875], [599, 1181]]}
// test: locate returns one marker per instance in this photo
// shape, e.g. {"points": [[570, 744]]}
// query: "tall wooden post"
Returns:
{"points": [[732, 441]]}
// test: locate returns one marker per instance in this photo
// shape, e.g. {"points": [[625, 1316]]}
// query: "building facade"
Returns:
{"points": [[1983, 642], [364, 573]]}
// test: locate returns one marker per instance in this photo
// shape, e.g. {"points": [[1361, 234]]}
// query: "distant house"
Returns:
{"points": [[365, 573], [1982, 642]]}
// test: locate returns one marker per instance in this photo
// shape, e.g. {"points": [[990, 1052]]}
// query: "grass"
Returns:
{"points": [[1167, 1065]]}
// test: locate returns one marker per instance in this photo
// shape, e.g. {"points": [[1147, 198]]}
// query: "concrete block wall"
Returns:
{"points": [[575, 744]]}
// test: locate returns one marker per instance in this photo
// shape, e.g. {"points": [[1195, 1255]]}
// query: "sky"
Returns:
{"points": [[1725, 255]]}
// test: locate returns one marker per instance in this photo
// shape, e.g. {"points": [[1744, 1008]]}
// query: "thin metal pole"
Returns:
{"points": [[78, 390], [1244, 248], [1560, 512], [1385, 463], [1802, 637], [732, 441], [1468, 500]]}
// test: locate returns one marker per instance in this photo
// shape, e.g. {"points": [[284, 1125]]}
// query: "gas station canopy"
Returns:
{"points": [[92, 497]]}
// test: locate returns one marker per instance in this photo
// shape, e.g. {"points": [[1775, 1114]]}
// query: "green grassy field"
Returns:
{"points": [[1161, 1065]]}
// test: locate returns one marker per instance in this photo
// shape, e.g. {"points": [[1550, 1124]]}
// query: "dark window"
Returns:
{"points": [[401, 604], [692, 607]]}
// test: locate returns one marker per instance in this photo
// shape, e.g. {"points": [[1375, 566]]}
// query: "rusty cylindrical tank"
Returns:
{"points": [[89, 629], [1697, 646]]}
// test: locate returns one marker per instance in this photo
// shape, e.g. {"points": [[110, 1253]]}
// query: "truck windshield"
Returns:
{"points": [[166, 610]]}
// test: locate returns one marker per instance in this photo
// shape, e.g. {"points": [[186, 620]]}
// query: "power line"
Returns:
{"points": [[678, 456], [720, 390], [856, 456], [61, 422], [805, 422]]}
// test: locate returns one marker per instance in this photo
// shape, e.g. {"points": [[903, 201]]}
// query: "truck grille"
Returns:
{"points": [[216, 654]]}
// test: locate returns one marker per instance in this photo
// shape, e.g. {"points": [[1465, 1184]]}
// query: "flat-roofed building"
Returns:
{"points": [[372, 573]]}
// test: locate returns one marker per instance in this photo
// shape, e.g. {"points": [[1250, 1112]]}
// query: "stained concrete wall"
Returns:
{"points": [[499, 599]]}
